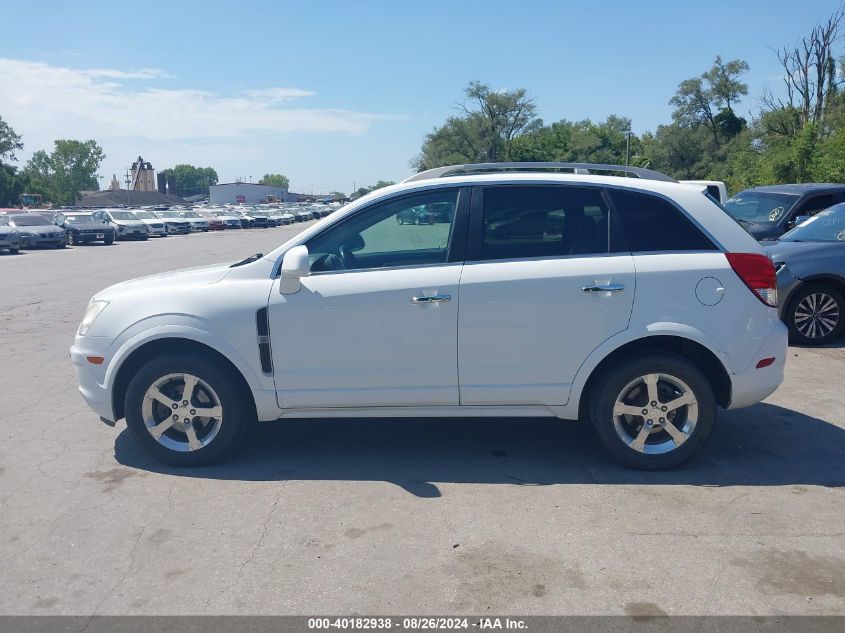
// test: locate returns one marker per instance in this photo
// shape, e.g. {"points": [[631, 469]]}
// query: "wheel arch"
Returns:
{"points": [[835, 281], [169, 345], [687, 348]]}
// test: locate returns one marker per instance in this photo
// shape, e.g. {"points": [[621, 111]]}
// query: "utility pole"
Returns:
{"points": [[128, 181], [627, 146]]}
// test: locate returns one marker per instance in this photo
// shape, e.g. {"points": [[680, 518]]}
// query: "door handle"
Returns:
{"points": [[604, 288], [432, 299]]}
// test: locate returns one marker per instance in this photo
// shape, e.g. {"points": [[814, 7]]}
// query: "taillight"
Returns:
{"points": [[758, 273]]}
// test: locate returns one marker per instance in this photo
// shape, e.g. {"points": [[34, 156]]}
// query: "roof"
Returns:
{"points": [[254, 184], [800, 188], [109, 198]]}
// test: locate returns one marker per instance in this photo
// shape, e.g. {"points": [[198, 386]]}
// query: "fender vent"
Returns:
{"points": [[262, 325]]}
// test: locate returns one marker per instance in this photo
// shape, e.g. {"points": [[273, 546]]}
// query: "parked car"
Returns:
{"points": [[9, 239], [214, 223], [232, 221], [174, 223], [198, 223], [810, 264], [282, 217], [155, 225], [82, 228], [303, 215], [769, 212], [714, 188], [35, 230], [126, 224], [644, 325], [247, 220], [262, 219]]}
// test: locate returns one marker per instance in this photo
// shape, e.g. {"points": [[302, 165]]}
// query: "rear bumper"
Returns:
{"points": [[753, 385]]}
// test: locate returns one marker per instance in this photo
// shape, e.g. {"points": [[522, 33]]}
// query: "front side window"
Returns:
{"points": [[413, 230], [543, 221], [651, 223], [816, 204]]}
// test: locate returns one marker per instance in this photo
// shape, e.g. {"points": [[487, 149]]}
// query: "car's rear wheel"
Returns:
{"points": [[814, 315], [71, 238], [654, 412], [186, 410]]}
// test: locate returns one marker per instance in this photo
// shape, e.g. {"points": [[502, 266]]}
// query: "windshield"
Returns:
{"points": [[123, 215], [757, 206], [825, 226], [189, 214], [168, 214], [146, 215], [29, 220], [78, 219]]}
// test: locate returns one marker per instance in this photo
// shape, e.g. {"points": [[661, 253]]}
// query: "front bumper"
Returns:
{"points": [[132, 234], [38, 240], [9, 241], [157, 230], [91, 378]]}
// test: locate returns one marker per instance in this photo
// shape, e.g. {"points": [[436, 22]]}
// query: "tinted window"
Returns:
{"points": [[548, 221], [816, 204], [653, 224], [412, 230]]}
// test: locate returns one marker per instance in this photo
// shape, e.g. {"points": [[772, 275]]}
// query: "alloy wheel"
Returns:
{"points": [[655, 413], [182, 412], [816, 315]]}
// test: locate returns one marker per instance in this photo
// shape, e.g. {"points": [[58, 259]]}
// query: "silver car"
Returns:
{"points": [[810, 264], [9, 237]]}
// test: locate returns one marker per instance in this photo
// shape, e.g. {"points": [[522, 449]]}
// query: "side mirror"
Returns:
{"points": [[799, 219], [295, 266]]}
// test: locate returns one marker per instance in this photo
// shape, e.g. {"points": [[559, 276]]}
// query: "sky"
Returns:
{"points": [[341, 94]]}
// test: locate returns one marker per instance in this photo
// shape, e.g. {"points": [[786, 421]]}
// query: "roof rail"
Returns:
{"points": [[577, 168]]}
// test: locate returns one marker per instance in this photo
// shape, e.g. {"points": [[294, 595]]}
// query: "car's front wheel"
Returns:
{"points": [[71, 238], [654, 412], [186, 410], [814, 315]]}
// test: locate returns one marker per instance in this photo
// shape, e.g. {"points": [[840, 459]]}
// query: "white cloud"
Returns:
{"points": [[111, 73], [44, 102]]}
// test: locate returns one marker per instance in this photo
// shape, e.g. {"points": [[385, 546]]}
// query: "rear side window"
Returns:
{"points": [[543, 221], [653, 224], [816, 204]]}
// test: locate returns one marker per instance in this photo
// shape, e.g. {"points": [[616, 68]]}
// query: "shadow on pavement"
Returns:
{"points": [[764, 445]]}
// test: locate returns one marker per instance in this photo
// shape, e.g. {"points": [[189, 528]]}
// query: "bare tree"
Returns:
{"points": [[809, 66]]}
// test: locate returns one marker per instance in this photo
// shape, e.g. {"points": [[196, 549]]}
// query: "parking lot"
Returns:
{"points": [[388, 516]]}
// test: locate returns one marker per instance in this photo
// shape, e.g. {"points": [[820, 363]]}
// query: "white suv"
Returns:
{"points": [[636, 303]]}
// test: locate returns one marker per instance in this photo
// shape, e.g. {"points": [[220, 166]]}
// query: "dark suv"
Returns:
{"points": [[769, 212]]}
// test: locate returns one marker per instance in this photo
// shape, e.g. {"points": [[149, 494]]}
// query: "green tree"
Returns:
{"points": [[707, 101], [190, 180], [9, 142], [277, 180], [11, 182], [70, 168], [485, 131]]}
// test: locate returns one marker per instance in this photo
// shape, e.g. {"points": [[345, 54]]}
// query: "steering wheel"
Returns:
{"points": [[347, 257]]}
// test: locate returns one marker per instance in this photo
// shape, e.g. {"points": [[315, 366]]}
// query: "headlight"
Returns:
{"points": [[91, 313]]}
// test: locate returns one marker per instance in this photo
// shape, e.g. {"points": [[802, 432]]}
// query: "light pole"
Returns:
{"points": [[627, 146]]}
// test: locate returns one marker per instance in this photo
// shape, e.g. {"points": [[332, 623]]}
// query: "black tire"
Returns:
{"points": [[610, 385], [14, 250], [108, 241], [62, 245], [238, 411], [71, 238], [812, 327], [144, 238]]}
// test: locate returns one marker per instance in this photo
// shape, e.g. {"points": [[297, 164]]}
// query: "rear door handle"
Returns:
{"points": [[604, 288], [432, 299]]}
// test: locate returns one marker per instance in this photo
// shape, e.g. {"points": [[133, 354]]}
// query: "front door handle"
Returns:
{"points": [[604, 288], [432, 299]]}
